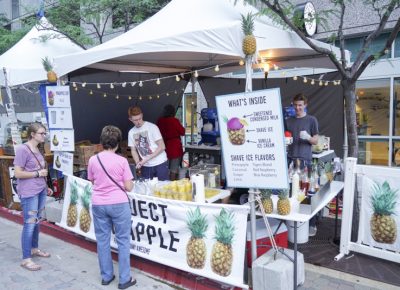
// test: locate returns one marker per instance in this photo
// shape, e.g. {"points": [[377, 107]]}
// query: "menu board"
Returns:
{"points": [[58, 97], [60, 118], [252, 137], [63, 161], [62, 140]]}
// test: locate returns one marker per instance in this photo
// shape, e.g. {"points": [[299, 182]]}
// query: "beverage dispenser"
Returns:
{"points": [[210, 129]]}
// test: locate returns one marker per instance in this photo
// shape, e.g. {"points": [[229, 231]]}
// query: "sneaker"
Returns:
{"points": [[312, 231]]}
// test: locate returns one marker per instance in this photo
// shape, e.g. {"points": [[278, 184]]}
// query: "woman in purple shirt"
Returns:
{"points": [[30, 169]]}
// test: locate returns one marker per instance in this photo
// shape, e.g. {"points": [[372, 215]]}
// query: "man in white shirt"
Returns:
{"points": [[147, 146]]}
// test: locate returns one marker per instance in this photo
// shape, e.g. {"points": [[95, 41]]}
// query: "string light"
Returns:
{"points": [[312, 82], [91, 92], [104, 95], [158, 96], [241, 62], [111, 86], [140, 84], [150, 97], [326, 83], [177, 78], [320, 83], [84, 85], [140, 98], [130, 98], [74, 84], [133, 84], [295, 78], [217, 68], [305, 80], [167, 94], [196, 74], [158, 81], [123, 84], [117, 97], [276, 67], [76, 89], [98, 86]]}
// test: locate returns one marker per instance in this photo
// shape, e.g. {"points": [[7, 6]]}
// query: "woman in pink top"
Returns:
{"points": [[110, 206], [30, 169]]}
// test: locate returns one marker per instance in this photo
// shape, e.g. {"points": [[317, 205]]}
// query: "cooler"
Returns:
{"points": [[263, 241]]}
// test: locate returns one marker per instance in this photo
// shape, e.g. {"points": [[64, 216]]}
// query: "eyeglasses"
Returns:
{"points": [[43, 134]]}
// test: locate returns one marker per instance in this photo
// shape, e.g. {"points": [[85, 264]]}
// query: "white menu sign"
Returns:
{"points": [[60, 118], [63, 161], [252, 135], [62, 140], [58, 96]]}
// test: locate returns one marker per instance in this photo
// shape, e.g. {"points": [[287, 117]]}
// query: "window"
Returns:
{"points": [[397, 46], [396, 108], [373, 152], [372, 107], [190, 102], [354, 46], [14, 9], [396, 154]]}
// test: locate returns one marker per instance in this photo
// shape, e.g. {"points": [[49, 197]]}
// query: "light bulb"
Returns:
{"points": [[295, 78], [63, 83], [177, 78], [91, 92], [123, 84], [133, 84], [312, 82], [117, 97], [175, 92], [74, 84], [158, 81], [130, 98], [76, 89], [276, 67], [158, 96], [216, 68], [241, 62], [104, 95], [326, 83], [83, 84], [305, 80], [266, 67], [338, 82], [98, 86], [320, 83], [150, 97], [167, 94], [140, 84], [196, 74], [111, 86], [140, 98]]}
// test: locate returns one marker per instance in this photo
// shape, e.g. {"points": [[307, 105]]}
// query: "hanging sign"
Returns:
{"points": [[162, 231], [252, 137], [58, 96], [60, 118], [63, 161], [62, 140]]}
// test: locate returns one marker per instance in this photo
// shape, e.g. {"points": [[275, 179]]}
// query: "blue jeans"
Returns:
{"points": [[105, 217], [32, 210], [160, 171]]}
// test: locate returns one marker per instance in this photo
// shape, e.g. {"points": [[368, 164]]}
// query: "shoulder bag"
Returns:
{"points": [[112, 179], [46, 178]]}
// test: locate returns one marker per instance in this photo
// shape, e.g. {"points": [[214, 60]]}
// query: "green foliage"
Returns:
{"points": [[74, 192], [224, 228], [197, 223], [86, 196], [284, 193], [266, 193], [248, 23], [383, 199]]}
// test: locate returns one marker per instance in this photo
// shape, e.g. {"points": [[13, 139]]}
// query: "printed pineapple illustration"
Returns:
{"points": [[196, 250], [72, 215], [48, 66], [249, 42], [383, 226], [222, 255], [283, 203], [84, 219], [267, 200]]}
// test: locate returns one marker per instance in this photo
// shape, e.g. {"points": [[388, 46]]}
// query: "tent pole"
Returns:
{"points": [[252, 191], [345, 140], [192, 113]]}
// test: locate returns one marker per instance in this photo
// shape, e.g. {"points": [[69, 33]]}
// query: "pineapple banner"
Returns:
{"points": [[204, 239], [380, 212]]}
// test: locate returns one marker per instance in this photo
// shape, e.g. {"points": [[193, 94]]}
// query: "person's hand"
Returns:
{"points": [[141, 162], [305, 136], [42, 172], [49, 192]]}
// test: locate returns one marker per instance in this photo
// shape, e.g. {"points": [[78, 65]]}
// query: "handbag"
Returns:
{"points": [[47, 178], [112, 179]]}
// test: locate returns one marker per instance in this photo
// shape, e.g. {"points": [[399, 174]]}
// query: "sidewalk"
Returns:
{"points": [[69, 268], [73, 268]]}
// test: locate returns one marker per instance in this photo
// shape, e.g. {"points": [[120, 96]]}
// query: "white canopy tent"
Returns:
{"points": [[23, 62], [188, 34]]}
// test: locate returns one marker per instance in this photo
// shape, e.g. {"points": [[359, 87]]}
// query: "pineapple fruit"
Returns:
{"points": [[48, 67], [196, 250], [222, 255], [383, 226], [72, 215], [266, 200], [84, 219], [283, 203], [249, 42]]}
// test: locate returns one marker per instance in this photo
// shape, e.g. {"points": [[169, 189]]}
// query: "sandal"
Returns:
{"points": [[40, 253], [30, 265]]}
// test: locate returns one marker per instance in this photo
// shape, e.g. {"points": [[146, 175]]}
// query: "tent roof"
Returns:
{"points": [[24, 60], [188, 34]]}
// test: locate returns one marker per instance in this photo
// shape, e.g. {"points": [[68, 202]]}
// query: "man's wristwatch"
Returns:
{"points": [[37, 173]]}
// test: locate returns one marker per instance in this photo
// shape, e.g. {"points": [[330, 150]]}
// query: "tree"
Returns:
{"points": [[284, 12], [8, 38]]}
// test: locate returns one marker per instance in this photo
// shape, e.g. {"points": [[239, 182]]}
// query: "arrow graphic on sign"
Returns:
{"points": [[244, 116], [248, 141]]}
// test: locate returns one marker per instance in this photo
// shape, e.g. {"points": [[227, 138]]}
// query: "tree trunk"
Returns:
{"points": [[350, 109]]}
